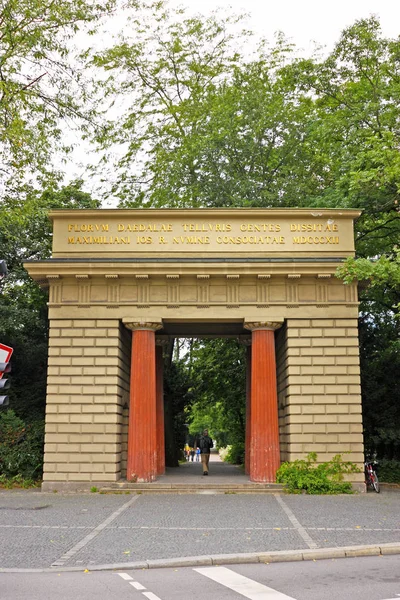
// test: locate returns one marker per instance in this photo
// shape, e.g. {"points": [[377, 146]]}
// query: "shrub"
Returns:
{"points": [[223, 452], [389, 471], [325, 478], [233, 454], [21, 447]]}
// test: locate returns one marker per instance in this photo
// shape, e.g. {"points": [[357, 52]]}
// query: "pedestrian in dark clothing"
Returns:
{"points": [[205, 444]]}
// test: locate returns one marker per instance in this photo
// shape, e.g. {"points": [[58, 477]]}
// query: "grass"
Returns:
{"points": [[18, 482]]}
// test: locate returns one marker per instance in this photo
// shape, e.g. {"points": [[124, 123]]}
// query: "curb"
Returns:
{"points": [[229, 559]]}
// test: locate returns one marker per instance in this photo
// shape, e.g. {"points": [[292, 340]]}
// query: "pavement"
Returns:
{"points": [[44, 531]]}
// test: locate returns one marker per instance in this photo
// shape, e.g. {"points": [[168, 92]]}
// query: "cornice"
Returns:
{"points": [[214, 212], [42, 271]]}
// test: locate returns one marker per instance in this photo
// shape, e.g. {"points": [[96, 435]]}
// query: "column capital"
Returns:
{"points": [[142, 325], [266, 325]]}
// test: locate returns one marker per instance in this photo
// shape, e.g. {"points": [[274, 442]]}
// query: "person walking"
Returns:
{"points": [[205, 444], [197, 454], [187, 452]]}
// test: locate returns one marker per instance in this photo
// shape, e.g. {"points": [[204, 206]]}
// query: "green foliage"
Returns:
{"points": [[389, 471], [41, 83], [382, 276], [21, 447], [218, 373], [25, 228], [324, 478], [26, 234], [171, 63], [234, 454], [205, 389], [380, 385], [17, 482], [177, 397]]}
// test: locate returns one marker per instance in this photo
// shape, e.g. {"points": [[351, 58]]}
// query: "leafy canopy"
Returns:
{"points": [[41, 83]]}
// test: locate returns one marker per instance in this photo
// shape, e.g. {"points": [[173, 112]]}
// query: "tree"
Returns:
{"points": [[219, 390], [206, 127], [358, 97], [380, 364], [357, 94], [41, 83], [26, 233], [177, 397], [160, 74]]}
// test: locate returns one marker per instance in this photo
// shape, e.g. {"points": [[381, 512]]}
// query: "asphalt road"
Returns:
{"points": [[39, 531], [367, 578]]}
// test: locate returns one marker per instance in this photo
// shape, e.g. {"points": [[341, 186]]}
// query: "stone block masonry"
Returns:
{"points": [[319, 390], [88, 386]]}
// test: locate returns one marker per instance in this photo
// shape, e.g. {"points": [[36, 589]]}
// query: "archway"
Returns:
{"points": [[269, 273]]}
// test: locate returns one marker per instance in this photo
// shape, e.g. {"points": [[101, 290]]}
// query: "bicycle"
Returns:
{"points": [[371, 478]]}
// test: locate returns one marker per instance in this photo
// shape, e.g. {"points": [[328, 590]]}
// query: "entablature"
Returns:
{"points": [[53, 269]]}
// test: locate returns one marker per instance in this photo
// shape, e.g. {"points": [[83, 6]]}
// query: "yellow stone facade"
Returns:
{"points": [[200, 272], [319, 389]]}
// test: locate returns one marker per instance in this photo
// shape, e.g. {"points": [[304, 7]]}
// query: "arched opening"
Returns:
{"points": [[205, 388], [211, 383]]}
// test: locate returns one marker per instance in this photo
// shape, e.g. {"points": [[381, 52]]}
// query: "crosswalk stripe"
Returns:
{"points": [[242, 585], [125, 576], [137, 585], [151, 596]]}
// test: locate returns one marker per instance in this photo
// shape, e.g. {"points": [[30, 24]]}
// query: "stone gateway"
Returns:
{"points": [[122, 282]]}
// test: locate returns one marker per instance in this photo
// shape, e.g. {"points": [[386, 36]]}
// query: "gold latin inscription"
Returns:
{"points": [[101, 239], [263, 227], [313, 227], [86, 227], [191, 239], [150, 227], [251, 239], [310, 239], [205, 227]]}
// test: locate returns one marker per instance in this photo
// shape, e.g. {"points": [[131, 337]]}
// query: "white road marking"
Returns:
{"points": [[44, 527], [137, 585], [300, 529], [151, 596], [90, 536], [124, 576], [242, 585]]}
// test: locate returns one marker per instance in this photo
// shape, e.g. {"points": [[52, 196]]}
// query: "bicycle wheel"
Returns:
{"points": [[375, 482]]}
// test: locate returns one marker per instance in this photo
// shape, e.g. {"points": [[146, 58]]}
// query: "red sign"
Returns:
{"points": [[5, 355]]}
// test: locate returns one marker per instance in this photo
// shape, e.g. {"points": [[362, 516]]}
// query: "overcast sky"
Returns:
{"points": [[305, 21]]}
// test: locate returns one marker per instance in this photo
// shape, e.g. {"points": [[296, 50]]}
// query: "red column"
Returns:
{"points": [[160, 408], [264, 445], [142, 438], [248, 411]]}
